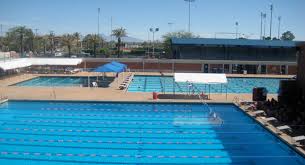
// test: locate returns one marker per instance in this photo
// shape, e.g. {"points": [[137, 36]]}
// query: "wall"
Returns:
{"points": [[235, 53], [167, 65], [301, 70]]}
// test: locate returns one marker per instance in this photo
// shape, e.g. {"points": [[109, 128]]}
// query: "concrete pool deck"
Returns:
{"points": [[112, 93]]}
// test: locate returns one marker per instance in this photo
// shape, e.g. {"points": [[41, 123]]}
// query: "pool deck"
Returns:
{"points": [[112, 93]]}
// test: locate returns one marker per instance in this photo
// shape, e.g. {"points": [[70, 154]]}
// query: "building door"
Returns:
{"points": [[263, 69], [226, 68], [283, 69], [206, 68]]}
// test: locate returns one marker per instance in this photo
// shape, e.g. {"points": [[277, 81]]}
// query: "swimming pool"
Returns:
{"points": [[63, 81], [235, 85], [66, 133]]}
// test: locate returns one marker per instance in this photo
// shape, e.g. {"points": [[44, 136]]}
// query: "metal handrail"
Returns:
{"points": [[209, 108]]}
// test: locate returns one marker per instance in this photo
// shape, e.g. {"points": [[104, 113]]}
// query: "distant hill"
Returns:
{"points": [[124, 39]]}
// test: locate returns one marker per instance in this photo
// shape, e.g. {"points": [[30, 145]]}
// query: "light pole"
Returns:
{"points": [[111, 28], [52, 41], [170, 24], [271, 12], [236, 24], [154, 30], [189, 26], [279, 30], [261, 32], [264, 17], [36, 41], [98, 20], [1, 30]]}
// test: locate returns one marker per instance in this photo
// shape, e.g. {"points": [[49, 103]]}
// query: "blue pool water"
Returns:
{"points": [[235, 85], [56, 82], [70, 133]]}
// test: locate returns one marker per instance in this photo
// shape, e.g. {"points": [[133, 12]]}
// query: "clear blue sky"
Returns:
{"points": [[208, 16]]}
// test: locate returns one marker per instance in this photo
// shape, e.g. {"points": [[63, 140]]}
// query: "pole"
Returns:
{"points": [[279, 30], [271, 11], [264, 16], [36, 43], [170, 24], [236, 23], [189, 16], [52, 41], [189, 24], [148, 43], [261, 32], [98, 21], [111, 28], [1, 30], [36, 32], [153, 43]]}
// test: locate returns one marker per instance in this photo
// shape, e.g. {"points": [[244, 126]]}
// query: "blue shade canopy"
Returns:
{"points": [[109, 68], [119, 64]]}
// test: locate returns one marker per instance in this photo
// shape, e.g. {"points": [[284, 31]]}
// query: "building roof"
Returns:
{"points": [[234, 42]]}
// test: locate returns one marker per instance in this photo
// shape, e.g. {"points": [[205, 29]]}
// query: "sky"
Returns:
{"points": [[208, 17]]}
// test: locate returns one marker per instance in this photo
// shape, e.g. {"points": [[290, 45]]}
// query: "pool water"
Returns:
{"points": [[60, 82], [70, 133], [235, 85]]}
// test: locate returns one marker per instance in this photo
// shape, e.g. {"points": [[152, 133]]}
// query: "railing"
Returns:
{"points": [[211, 112]]}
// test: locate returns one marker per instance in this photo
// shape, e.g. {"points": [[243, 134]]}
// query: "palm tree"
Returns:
{"points": [[44, 43], [68, 40], [51, 39], [77, 38], [119, 33], [92, 41]]}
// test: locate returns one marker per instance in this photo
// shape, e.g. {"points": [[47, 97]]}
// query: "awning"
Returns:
{"points": [[109, 68], [56, 61], [119, 64], [26, 62], [204, 78], [14, 64]]}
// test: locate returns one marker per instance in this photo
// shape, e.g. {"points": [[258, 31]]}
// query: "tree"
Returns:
{"points": [[167, 40], [44, 42], [2, 43], [51, 37], [20, 39], [78, 41], [288, 36], [267, 38], [69, 41], [92, 41], [119, 33]]}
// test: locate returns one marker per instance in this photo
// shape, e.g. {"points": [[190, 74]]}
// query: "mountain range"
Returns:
{"points": [[124, 39]]}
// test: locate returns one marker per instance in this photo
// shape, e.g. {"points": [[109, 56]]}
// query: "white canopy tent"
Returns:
{"points": [[204, 78], [201, 78], [14, 64], [26, 62], [56, 61]]}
